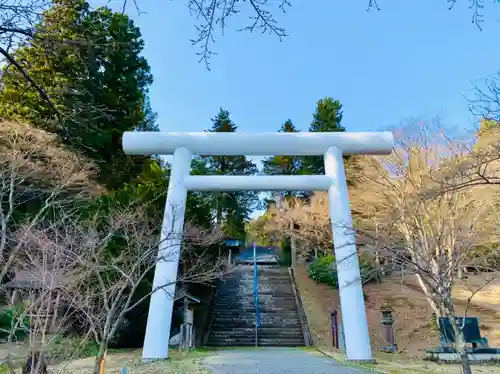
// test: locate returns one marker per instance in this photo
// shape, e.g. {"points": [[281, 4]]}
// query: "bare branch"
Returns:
{"points": [[213, 14]]}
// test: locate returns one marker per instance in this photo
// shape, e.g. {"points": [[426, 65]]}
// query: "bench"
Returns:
{"points": [[472, 332], [478, 350]]}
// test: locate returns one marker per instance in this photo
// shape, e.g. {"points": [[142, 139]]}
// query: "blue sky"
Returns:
{"points": [[410, 59]]}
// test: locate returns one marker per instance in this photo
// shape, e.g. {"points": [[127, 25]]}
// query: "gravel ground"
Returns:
{"points": [[274, 361]]}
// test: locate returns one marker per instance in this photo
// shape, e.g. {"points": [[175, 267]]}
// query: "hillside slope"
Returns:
{"points": [[414, 329]]}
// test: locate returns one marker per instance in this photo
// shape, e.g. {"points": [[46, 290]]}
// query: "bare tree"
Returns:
{"points": [[408, 215], [424, 225], [37, 175], [116, 253], [45, 289], [311, 223], [36, 171], [482, 164], [85, 272]]}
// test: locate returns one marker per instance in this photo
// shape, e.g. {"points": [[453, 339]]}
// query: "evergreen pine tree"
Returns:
{"points": [[232, 209], [326, 118], [90, 65], [283, 165]]}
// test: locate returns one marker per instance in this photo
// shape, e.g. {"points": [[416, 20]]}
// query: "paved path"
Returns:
{"points": [[275, 361]]}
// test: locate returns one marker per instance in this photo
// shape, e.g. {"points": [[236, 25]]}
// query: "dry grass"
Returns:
{"points": [[399, 364], [413, 327], [178, 363]]}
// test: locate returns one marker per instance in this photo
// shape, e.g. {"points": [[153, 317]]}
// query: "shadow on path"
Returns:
{"points": [[275, 361]]}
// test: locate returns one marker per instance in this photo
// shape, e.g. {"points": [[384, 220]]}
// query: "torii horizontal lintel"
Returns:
{"points": [[257, 182], [258, 143]]}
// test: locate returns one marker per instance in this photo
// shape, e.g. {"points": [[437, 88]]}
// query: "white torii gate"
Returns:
{"points": [[330, 145]]}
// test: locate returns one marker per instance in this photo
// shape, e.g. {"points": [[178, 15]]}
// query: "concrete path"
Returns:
{"points": [[275, 361]]}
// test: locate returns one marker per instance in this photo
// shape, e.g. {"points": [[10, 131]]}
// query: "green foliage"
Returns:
{"points": [[326, 118], [323, 270], [232, 209], [255, 231], [11, 316], [89, 64], [285, 256], [485, 257], [67, 347], [284, 165]]}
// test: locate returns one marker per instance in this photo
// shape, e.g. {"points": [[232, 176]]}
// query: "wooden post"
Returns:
{"points": [[184, 322], [181, 337]]}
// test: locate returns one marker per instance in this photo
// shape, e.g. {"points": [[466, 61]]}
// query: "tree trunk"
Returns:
{"points": [[100, 358], [464, 360], [36, 364], [380, 271], [428, 295], [460, 346]]}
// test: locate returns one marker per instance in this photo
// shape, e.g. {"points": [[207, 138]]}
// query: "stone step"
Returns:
{"points": [[217, 323], [262, 331], [250, 282], [270, 296], [248, 342], [251, 310], [241, 294], [260, 268], [250, 287], [237, 291], [234, 296], [220, 335], [260, 301], [233, 314], [264, 317], [250, 276], [250, 324], [251, 297], [263, 280], [250, 337], [250, 307]]}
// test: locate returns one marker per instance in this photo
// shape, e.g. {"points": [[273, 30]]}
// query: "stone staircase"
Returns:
{"points": [[233, 315]]}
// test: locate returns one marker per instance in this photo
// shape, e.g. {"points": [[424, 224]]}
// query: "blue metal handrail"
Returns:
{"points": [[256, 294]]}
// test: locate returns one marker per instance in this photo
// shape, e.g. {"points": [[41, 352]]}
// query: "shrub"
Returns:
{"points": [[8, 318], [285, 256], [63, 348], [323, 270]]}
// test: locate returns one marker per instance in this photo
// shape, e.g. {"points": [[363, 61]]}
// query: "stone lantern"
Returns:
{"points": [[387, 322]]}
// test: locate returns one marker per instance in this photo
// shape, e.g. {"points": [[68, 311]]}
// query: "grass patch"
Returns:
{"points": [[400, 364], [178, 363]]}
